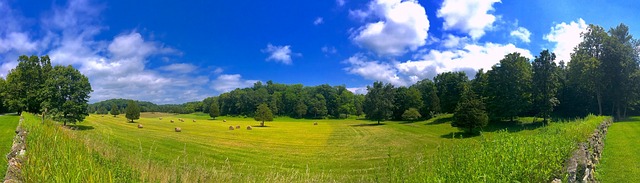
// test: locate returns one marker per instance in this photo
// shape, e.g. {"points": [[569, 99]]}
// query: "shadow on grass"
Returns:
{"points": [[440, 121], [80, 127], [511, 126], [459, 135], [368, 124]]}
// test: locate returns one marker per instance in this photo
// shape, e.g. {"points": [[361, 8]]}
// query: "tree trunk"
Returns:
{"points": [[378, 121], [262, 124], [599, 98]]}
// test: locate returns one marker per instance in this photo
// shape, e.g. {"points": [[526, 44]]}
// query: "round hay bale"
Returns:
{"points": [[160, 118], [249, 127], [171, 121], [231, 128], [194, 120], [238, 127], [139, 125], [315, 123], [224, 120], [178, 129]]}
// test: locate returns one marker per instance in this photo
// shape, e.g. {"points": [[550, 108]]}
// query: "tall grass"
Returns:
{"points": [[55, 155], [502, 157]]}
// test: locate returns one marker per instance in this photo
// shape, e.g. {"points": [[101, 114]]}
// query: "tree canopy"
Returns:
{"points": [[132, 112], [263, 113]]}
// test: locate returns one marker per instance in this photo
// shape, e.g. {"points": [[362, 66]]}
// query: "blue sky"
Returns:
{"points": [[177, 51]]}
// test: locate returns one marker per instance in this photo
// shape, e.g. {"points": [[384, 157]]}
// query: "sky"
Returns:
{"points": [[171, 52]]}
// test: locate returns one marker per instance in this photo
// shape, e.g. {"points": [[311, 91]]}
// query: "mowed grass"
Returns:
{"points": [[8, 125], [286, 149], [621, 157]]}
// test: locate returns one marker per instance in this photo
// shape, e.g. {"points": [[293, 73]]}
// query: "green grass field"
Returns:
{"points": [[8, 124], [294, 150], [621, 157]]}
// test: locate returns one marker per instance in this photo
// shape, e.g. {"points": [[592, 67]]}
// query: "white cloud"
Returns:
{"points": [[180, 68], [341, 3], [218, 71], [472, 17], [452, 41], [566, 36], [401, 25], [358, 90], [279, 53], [318, 21], [329, 50], [228, 82], [522, 33], [469, 58], [374, 70], [17, 41]]}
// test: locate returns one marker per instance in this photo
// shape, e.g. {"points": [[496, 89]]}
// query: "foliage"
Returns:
{"points": [[67, 92], [24, 83], [214, 110], [102, 110], [263, 113], [545, 84], [450, 87], [114, 110], [132, 111], [509, 86], [379, 102], [470, 113], [411, 114]]}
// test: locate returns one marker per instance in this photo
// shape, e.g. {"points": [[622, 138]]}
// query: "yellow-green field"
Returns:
{"points": [[333, 149], [621, 157], [8, 124], [110, 149]]}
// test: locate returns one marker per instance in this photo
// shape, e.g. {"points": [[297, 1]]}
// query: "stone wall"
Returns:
{"points": [[15, 157], [581, 166]]}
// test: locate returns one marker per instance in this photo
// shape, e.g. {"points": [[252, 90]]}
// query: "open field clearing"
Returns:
{"points": [[8, 124], [111, 149], [620, 160]]}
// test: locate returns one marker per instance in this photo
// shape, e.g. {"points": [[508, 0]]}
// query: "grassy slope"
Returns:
{"points": [[333, 148], [8, 124], [621, 156]]}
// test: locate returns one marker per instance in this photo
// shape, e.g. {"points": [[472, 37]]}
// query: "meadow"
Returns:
{"points": [[295, 150], [620, 158], [8, 124]]}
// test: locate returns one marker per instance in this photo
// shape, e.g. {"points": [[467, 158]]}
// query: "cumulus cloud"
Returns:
{"points": [[566, 36], [329, 50], [318, 21], [472, 17], [228, 82], [279, 53], [469, 58], [452, 41], [116, 67], [400, 26], [180, 68], [521, 33], [358, 90], [341, 3]]}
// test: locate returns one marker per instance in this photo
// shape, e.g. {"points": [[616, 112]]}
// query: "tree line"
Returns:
{"points": [[35, 86]]}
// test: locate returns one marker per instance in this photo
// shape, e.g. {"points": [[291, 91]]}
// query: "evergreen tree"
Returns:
{"points": [[470, 113], [114, 110], [545, 84], [132, 111], [214, 110], [263, 113]]}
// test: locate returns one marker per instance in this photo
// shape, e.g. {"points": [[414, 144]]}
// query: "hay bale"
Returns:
{"points": [[160, 118], [249, 127], [315, 123], [194, 120], [238, 127], [224, 120], [231, 128], [171, 121], [178, 129], [139, 125]]}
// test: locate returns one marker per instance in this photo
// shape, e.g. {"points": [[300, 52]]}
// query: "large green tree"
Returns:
{"points": [[67, 92], [214, 110], [132, 111], [263, 113], [406, 98], [450, 86], [545, 84], [470, 113], [509, 86], [114, 110], [379, 101], [25, 82]]}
